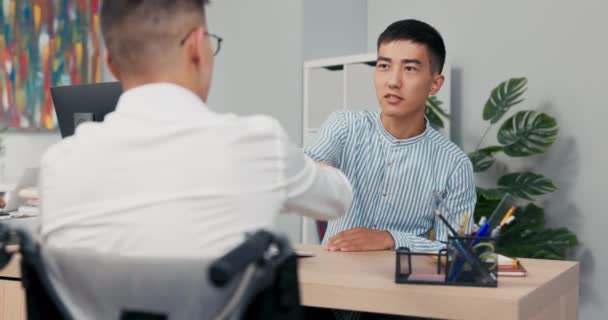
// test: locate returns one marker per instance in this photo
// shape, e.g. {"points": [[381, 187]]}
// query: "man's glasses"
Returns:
{"points": [[216, 41]]}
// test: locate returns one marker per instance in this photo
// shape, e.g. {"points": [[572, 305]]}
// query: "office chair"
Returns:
{"points": [[256, 280], [321, 228]]}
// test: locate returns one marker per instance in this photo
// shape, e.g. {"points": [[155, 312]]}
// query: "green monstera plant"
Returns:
{"points": [[435, 113], [526, 133]]}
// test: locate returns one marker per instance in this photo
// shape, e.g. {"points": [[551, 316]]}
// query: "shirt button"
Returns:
{"points": [[375, 226], [384, 194], [388, 164]]}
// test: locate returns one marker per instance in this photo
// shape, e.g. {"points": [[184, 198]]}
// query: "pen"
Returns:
{"points": [[487, 277], [475, 229], [482, 220], [496, 231], [483, 230], [507, 216], [467, 254], [454, 233], [464, 225], [514, 262]]}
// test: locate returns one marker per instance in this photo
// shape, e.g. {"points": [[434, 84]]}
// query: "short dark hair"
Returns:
{"points": [[418, 32], [139, 31]]}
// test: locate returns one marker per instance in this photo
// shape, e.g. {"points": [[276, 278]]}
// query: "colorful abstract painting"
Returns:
{"points": [[44, 43]]}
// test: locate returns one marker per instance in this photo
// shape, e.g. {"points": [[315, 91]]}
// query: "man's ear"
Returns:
{"points": [[194, 46], [437, 84], [111, 66]]}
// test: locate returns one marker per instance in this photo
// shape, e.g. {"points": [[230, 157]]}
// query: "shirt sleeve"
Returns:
{"points": [[460, 198], [312, 190], [328, 144], [46, 197]]}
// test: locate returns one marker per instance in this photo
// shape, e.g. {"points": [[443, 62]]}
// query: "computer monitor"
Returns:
{"points": [[81, 103]]}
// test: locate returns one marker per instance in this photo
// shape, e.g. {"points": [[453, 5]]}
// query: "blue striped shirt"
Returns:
{"points": [[394, 180]]}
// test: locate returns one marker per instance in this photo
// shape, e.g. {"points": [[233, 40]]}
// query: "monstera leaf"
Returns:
{"points": [[527, 133], [524, 134], [483, 159], [529, 238], [503, 97], [435, 113], [525, 185], [491, 194], [484, 206]]}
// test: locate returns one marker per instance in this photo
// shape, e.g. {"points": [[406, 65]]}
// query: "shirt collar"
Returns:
{"points": [[165, 100], [401, 142]]}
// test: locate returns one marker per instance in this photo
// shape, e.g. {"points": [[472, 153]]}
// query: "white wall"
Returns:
{"points": [[24, 150], [259, 68], [334, 28], [561, 47]]}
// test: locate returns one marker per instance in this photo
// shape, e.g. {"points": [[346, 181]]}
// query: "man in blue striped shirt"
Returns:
{"points": [[394, 159]]}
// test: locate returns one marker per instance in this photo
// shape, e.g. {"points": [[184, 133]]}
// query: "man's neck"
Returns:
{"points": [[133, 82], [404, 128]]}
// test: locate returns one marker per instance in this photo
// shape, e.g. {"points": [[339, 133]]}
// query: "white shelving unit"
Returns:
{"points": [[336, 84], [343, 83]]}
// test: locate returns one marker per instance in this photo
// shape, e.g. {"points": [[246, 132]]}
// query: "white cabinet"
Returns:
{"points": [[336, 84]]}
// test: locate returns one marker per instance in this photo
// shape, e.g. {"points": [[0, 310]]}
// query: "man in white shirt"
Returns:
{"points": [[163, 174]]}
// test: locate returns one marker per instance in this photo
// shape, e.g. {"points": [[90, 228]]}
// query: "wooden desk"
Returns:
{"points": [[12, 295], [364, 281]]}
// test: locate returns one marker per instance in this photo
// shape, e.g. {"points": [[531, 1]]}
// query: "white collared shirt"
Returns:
{"points": [[165, 175]]}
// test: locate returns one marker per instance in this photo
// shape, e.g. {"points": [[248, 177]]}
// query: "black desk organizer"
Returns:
{"points": [[467, 261]]}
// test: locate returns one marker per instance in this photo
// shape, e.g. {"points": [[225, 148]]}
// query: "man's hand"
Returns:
{"points": [[361, 239]]}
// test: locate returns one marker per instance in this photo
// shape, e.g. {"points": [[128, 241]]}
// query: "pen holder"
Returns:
{"points": [[467, 261], [472, 261], [420, 268]]}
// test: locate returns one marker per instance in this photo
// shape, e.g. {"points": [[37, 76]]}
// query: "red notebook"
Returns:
{"points": [[512, 271]]}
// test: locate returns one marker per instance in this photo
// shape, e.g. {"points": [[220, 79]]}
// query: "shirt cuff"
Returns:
{"points": [[401, 239]]}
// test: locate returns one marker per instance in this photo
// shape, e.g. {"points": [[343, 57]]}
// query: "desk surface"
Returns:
{"points": [[13, 269], [364, 281]]}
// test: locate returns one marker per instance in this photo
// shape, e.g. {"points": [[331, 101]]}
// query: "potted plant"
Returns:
{"points": [[526, 133]]}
